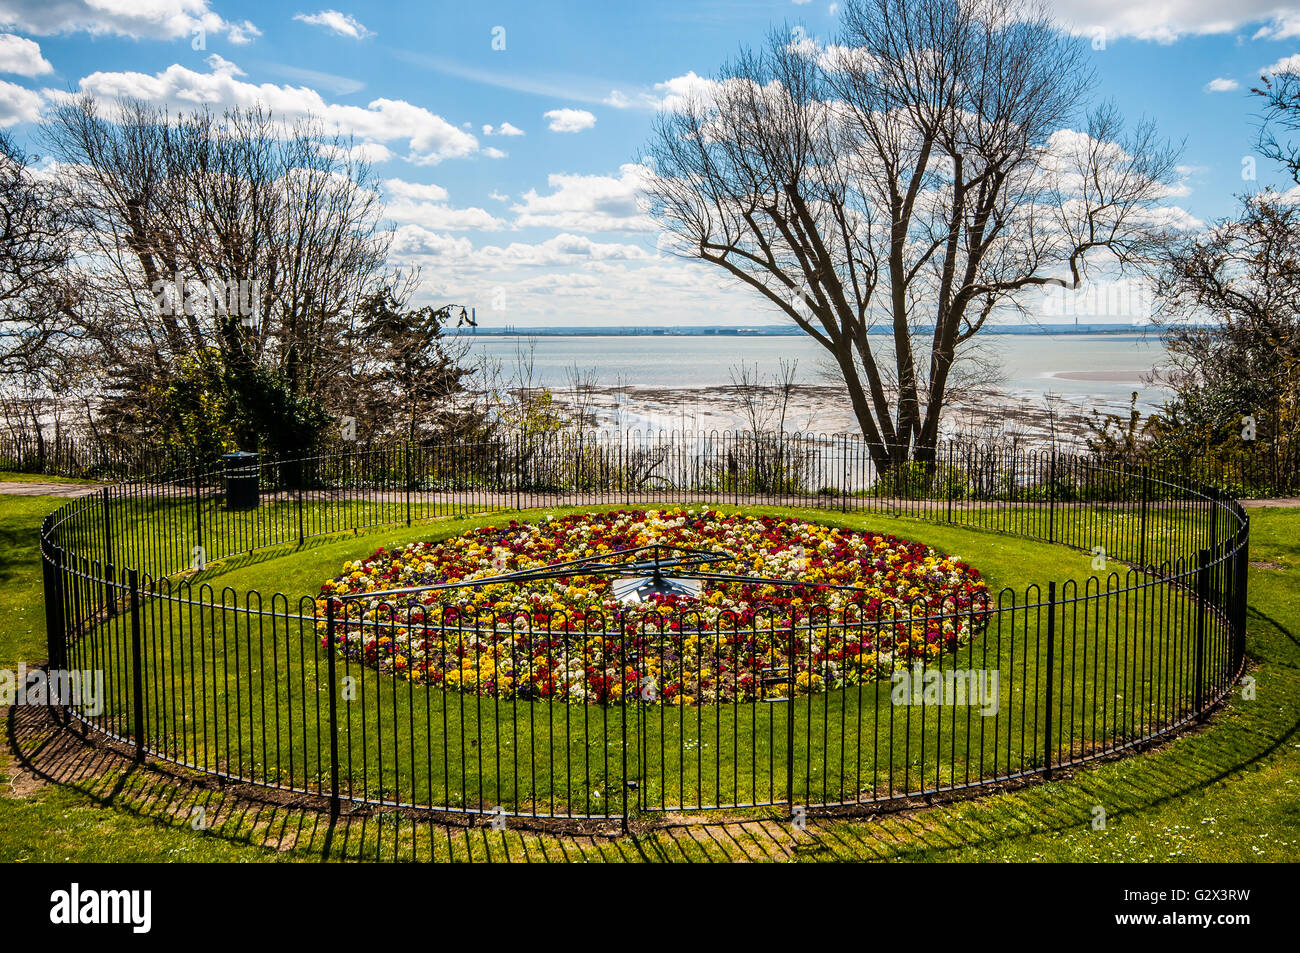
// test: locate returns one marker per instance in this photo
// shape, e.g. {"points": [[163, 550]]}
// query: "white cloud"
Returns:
{"points": [[1065, 158], [1287, 64], [344, 24], [505, 129], [423, 205], [138, 19], [588, 203], [572, 280], [676, 92], [401, 189], [673, 94], [561, 250], [492, 152], [1174, 217], [18, 104], [242, 33], [496, 196], [833, 56], [22, 56], [430, 138], [1165, 22], [569, 120], [416, 240], [1221, 85], [1290, 197], [429, 216], [371, 152], [1283, 26], [569, 283], [219, 64]]}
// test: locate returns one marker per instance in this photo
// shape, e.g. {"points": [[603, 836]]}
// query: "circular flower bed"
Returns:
{"points": [[569, 639]]}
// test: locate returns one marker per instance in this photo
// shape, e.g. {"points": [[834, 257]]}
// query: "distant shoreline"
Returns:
{"points": [[1125, 330]]}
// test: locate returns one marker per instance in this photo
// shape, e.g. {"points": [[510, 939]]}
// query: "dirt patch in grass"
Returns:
{"points": [[54, 744]]}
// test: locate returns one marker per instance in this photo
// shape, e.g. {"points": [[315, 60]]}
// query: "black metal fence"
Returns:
{"points": [[843, 712], [66, 455], [1266, 469]]}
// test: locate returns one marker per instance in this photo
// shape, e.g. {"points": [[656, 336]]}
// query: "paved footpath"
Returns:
{"points": [[69, 490], [73, 490]]}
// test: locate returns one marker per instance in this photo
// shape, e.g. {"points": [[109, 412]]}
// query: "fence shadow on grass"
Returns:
{"points": [[46, 751]]}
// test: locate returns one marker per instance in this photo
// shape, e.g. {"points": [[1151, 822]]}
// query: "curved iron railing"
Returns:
{"points": [[259, 689]]}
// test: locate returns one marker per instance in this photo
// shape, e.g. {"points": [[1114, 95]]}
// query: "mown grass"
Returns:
{"points": [[1226, 793], [13, 476], [248, 695]]}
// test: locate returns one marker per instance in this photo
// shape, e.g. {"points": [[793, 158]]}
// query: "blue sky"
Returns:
{"points": [[511, 171]]}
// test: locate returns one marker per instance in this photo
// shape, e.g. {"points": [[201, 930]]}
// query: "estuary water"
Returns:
{"points": [[674, 381]]}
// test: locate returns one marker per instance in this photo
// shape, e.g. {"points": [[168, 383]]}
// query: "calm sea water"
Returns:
{"points": [[1028, 364]]}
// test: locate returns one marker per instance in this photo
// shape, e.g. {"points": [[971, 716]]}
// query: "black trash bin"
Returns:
{"points": [[242, 486]]}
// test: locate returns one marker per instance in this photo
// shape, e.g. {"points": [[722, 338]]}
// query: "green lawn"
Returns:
{"points": [[261, 707], [1027, 824]]}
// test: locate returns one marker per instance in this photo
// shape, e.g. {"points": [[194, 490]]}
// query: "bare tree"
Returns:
{"points": [[1243, 274], [1280, 93], [917, 175], [409, 377], [514, 398], [36, 289], [765, 404], [176, 210], [584, 390]]}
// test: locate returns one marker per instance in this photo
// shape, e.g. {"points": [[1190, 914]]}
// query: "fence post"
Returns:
{"points": [[947, 482], [332, 679], [1207, 507], [109, 607], [406, 468], [1243, 565], [1202, 596], [844, 470], [1051, 658], [198, 511], [623, 715], [1051, 499], [1216, 498], [54, 631], [301, 478], [137, 665], [791, 659], [519, 467], [60, 597], [1142, 520]]}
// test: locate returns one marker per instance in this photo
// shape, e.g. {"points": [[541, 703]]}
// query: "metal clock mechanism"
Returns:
{"points": [[636, 575]]}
